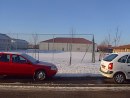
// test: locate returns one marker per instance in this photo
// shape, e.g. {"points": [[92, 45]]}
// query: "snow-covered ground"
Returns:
{"points": [[81, 64]]}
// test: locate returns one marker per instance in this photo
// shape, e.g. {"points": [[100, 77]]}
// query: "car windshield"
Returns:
{"points": [[110, 57], [31, 59]]}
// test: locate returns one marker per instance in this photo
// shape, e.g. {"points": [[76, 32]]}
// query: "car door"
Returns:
{"points": [[128, 66], [124, 65], [21, 66], [5, 64]]}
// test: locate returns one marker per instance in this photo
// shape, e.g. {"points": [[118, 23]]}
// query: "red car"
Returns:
{"points": [[20, 64]]}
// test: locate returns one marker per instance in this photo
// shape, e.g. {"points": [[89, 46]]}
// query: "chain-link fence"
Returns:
{"points": [[52, 45]]}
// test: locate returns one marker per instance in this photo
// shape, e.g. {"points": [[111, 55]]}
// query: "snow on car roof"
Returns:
{"points": [[12, 53]]}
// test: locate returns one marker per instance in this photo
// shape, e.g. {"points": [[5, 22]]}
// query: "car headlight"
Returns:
{"points": [[53, 68]]}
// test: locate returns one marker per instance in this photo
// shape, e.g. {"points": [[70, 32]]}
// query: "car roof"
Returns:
{"points": [[122, 53], [11, 53]]}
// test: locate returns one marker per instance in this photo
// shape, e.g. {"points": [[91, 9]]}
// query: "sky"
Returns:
{"points": [[98, 17]]}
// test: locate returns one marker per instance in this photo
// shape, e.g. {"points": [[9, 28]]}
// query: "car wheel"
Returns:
{"points": [[119, 78], [40, 75]]}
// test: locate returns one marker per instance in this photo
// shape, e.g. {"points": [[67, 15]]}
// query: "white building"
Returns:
{"points": [[19, 44], [67, 44], [5, 42]]}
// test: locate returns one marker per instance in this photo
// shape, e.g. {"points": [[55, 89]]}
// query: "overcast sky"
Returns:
{"points": [[99, 17]]}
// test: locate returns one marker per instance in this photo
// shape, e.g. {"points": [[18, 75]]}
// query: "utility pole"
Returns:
{"points": [[93, 51], [71, 46]]}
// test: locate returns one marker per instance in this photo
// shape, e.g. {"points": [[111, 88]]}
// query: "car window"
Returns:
{"points": [[18, 59], [31, 59], [110, 57], [5, 58], [128, 60], [123, 59]]}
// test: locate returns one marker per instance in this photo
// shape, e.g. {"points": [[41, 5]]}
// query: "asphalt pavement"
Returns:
{"points": [[63, 87], [51, 91], [59, 80]]}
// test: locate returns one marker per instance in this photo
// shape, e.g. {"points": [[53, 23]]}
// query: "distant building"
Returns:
{"points": [[5, 42], [123, 48], [31, 46], [67, 44], [105, 48], [19, 44]]}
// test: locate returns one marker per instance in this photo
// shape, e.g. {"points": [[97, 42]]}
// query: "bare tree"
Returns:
{"points": [[117, 37], [108, 40], [35, 39], [103, 46], [106, 43]]}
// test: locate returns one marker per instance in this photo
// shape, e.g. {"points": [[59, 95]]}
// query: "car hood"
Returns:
{"points": [[41, 63]]}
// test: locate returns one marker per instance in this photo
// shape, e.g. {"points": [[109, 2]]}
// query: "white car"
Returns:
{"points": [[116, 66]]}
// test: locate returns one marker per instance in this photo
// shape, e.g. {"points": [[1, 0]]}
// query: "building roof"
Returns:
{"points": [[69, 40], [122, 47], [4, 36], [20, 40]]}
